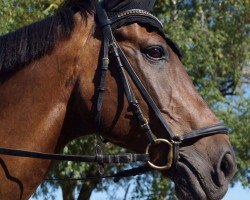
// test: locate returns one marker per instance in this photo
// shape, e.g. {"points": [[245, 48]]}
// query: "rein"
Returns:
{"points": [[173, 141]]}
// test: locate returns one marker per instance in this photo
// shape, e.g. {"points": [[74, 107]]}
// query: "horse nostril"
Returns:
{"points": [[226, 168]]}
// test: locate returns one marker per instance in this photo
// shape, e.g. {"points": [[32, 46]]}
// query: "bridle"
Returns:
{"points": [[173, 141]]}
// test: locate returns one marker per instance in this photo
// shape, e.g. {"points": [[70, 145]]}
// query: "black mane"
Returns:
{"points": [[31, 42]]}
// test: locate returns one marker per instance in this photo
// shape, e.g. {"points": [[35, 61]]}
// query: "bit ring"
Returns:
{"points": [[170, 155]]}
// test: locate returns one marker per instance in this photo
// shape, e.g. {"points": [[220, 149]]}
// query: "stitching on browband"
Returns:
{"points": [[135, 12]]}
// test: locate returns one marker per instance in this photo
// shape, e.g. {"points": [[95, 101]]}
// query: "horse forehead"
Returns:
{"points": [[136, 33]]}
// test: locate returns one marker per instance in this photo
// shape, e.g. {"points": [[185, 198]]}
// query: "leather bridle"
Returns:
{"points": [[173, 141]]}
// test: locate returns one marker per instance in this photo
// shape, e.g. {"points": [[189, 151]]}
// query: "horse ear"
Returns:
{"points": [[122, 5]]}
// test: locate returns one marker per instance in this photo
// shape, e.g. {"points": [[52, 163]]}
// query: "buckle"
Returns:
{"points": [[170, 155], [145, 124]]}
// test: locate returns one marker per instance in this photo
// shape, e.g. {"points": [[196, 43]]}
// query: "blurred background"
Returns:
{"points": [[214, 38]]}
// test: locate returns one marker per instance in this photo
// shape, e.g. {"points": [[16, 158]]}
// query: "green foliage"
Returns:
{"points": [[214, 39], [15, 14]]}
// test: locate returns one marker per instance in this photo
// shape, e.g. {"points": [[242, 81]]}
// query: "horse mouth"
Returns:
{"points": [[193, 184], [187, 185]]}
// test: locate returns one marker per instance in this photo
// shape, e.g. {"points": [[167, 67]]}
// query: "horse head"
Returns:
{"points": [[204, 164]]}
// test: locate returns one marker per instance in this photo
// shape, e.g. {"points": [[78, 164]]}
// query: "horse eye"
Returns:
{"points": [[155, 53]]}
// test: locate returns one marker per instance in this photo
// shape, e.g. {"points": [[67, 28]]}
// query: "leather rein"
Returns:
{"points": [[173, 141]]}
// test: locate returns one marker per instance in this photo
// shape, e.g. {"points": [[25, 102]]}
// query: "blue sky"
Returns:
{"points": [[235, 193]]}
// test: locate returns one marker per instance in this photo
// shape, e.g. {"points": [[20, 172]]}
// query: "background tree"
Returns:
{"points": [[214, 39]]}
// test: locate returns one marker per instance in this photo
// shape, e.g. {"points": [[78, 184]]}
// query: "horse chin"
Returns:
{"points": [[187, 186], [191, 185]]}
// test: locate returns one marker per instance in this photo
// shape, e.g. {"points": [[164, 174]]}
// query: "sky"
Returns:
{"points": [[235, 193]]}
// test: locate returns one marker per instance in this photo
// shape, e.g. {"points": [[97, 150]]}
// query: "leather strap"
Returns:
{"points": [[117, 176], [132, 172], [112, 45], [204, 132], [134, 106], [101, 87], [124, 158], [145, 94]]}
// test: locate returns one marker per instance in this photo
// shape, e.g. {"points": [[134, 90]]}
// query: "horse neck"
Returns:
{"points": [[33, 104], [34, 100]]}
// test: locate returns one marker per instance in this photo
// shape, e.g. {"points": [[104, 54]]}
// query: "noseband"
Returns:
{"points": [[110, 45], [172, 140]]}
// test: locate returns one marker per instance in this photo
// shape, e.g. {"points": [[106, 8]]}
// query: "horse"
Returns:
{"points": [[49, 85]]}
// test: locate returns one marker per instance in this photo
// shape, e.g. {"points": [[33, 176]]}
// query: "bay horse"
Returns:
{"points": [[49, 82]]}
